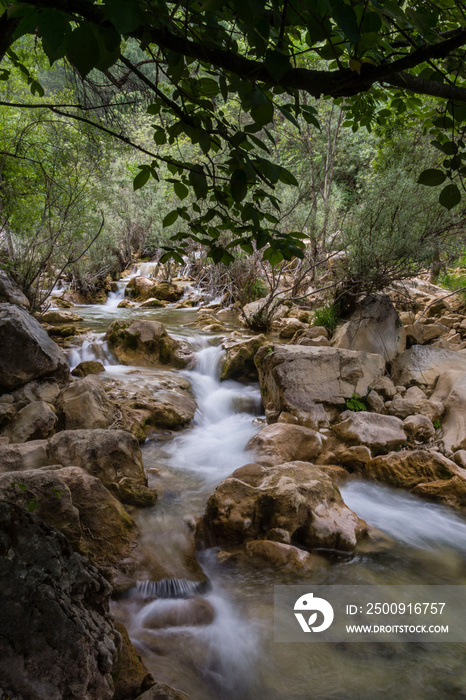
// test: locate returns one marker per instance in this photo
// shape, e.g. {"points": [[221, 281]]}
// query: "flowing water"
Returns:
{"points": [[234, 657]]}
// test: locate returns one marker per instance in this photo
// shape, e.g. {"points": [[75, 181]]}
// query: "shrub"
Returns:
{"points": [[326, 316]]}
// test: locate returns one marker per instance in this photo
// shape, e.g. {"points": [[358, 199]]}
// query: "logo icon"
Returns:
{"points": [[308, 604]]}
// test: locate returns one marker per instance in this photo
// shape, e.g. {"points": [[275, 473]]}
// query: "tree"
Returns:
{"points": [[197, 57]]}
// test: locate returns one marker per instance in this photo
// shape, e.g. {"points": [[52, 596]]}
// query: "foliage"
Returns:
{"points": [[454, 280], [356, 403], [267, 60], [437, 424], [326, 316]]}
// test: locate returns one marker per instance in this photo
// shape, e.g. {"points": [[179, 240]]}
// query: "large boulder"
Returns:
{"points": [[371, 429], [57, 638], [374, 327], [27, 351], [79, 505], [10, 292], [113, 456], [281, 442], [423, 364], [296, 497], [239, 359], [142, 288], [57, 318], [33, 422], [84, 405], [429, 474], [147, 343], [295, 378], [450, 391]]}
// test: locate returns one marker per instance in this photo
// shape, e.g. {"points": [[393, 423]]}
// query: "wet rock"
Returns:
{"points": [[125, 304], [168, 291], [153, 303], [113, 456], [419, 427], [39, 356], [423, 364], [79, 505], [60, 317], [62, 303], [281, 442], [161, 691], [10, 292], [68, 648], [371, 429], [170, 410], [147, 343], [33, 422], [84, 405], [374, 328], [426, 473], [297, 497], [283, 556], [297, 378], [450, 391], [142, 288], [239, 359], [130, 676], [88, 367], [179, 612]]}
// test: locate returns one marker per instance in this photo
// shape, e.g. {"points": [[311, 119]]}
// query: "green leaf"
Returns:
{"points": [[346, 19], [170, 218], [125, 15], [239, 185], [432, 177], [450, 196], [83, 49], [180, 190], [53, 28], [198, 182], [160, 136], [141, 179], [287, 178], [277, 64], [27, 23], [36, 88]]}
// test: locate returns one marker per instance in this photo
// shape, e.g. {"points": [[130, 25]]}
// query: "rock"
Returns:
{"points": [[439, 308], [177, 612], [375, 402], [423, 364], [130, 675], [7, 413], [450, 391], [295, 378], [68, 648], [420, 334], [281, 442], [10, 292], [168, 292], [161, 691], [316, 342], [125, 304], [283, 556], [62, 303], [415, 401], [385, 387], [374, 328], [407, 318], [252, 312], [142, 288], [314, 418], [355, 457], [79, 505], [460, 458], [426, 473], [60, 317], [84, 405], [289, 326], [34, 422], [88, 367], [171, 410], [39, 356], [371, 429], [153, 303], [147, 343], [113, 456], [297, 497], [38, 390], [419, 427], [239, 359]]}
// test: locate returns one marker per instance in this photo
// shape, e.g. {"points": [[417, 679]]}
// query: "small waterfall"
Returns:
{"points": [[94, 348], [114, 298], [146, 269], [171, 588]]}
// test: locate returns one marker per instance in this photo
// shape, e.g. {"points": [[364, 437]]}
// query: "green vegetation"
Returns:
{"points": [[356, 403], [326, 316]]}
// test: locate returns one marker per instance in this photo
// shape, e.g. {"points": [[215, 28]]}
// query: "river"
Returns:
{"points": [[234, 657]]}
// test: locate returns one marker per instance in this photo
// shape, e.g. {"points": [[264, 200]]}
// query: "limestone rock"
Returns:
{"points": [[427, 473], [415, 401], [385, 387], [239, 359], [162, 691], [371, 429], [38, 390], [68, 648], [295, 378], [419, 427], [282, 556], [289, 326], [450, 390], [420, 334], [374, 327], [88, 367], [33, 422], [282, 442], [355, 457], [59, 317], [10, 292], [180, 612], [153, 303], [147, 343], [297, 497], [375, 402], [423, 364], [142, 288], [39, 355], [130, 675], [84, 405]]}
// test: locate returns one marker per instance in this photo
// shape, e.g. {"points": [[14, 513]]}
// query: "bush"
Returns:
{"points": [[326, 316]]}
